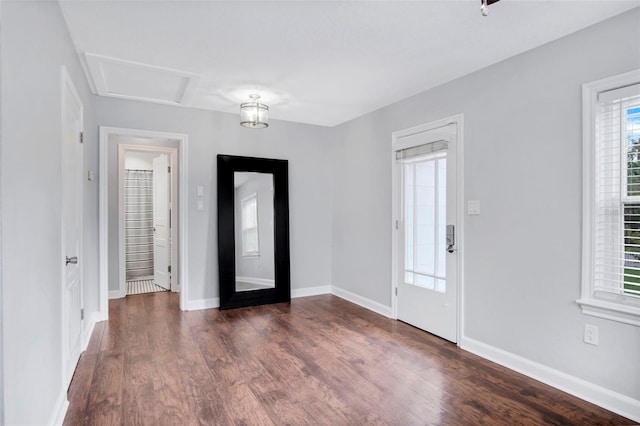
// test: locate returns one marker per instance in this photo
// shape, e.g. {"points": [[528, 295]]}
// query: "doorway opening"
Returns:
{"points": [[145, 228], [147, 221], [142, 214]]}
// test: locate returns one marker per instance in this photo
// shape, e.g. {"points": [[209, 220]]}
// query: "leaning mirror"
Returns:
{"points": [[253, 231]]}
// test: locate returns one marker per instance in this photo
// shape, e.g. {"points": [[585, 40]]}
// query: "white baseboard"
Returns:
{"points": [[98, 316], [62, 404], [196, 305], [372, 305], [116, 294], [90, 324], [310, 291], [605, 398], [60, 409]]}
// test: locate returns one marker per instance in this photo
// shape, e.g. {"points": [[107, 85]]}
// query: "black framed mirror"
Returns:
{"points": [[253, 231]]}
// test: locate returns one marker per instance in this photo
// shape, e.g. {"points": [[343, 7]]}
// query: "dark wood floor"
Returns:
{"points": [[319, 360]]}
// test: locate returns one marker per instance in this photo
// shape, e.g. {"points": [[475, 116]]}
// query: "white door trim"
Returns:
{"points": [[67, 83], [173, 153], [396, 145], [181, 246]]}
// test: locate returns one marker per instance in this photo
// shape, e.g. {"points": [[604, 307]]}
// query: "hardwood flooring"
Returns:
{"points": [[318, 361]]}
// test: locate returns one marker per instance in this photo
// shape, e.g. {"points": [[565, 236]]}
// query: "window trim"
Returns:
{"points": [[610, 306]]}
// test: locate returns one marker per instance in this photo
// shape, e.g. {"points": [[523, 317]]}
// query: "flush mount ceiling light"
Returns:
{"points": [[253, 114], [485, 6]]}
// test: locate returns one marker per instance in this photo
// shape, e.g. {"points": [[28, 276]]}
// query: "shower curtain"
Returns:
{"points": [[138, 223]]}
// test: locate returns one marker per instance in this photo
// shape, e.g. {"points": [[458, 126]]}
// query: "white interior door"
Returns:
{"points": [[71, 225], [161, 234], [426, 207]]}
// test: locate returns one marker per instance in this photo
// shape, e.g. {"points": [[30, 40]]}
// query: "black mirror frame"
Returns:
{"points": [[229, 297]]}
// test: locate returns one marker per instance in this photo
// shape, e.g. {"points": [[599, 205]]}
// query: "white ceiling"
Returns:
{"points": [[317, 62]]}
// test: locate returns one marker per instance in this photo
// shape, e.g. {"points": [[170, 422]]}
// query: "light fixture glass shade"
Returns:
{"points": [[484, 8], [253, 114]]}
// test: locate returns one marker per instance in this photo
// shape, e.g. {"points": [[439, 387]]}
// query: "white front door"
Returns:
{"points": [[161, 227], [71, 226], [426, 212]]}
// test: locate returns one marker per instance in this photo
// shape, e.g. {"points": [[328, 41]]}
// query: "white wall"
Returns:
{"points": [[522, 160], [305, 146], [35, 44]]}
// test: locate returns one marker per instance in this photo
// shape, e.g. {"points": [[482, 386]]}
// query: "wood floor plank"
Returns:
{"points": [[197, 379], [104, 403], [114, 329], [315, 361], [81, 382], [93, 347], [79, 388]]}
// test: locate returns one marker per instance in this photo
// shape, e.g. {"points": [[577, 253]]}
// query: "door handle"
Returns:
{"points": [[73, 260], [451, 238]]}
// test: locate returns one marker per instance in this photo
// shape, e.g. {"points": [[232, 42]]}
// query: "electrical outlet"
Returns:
{"points": [[591, 334]]}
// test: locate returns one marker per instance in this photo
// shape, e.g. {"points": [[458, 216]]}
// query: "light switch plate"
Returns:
{"points": [[91, 175], [200, 191], [473, 207], [200, 205]]}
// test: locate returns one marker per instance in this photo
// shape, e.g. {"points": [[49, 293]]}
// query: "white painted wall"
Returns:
{"points": [[35, 44], [310, 175], [523, 136]]}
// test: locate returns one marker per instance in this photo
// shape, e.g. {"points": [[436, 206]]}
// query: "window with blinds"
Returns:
{"points": [[617, 231], [611, 237], [249, 206]]}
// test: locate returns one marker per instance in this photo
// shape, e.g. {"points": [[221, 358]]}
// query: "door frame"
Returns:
{"points": [[67, 84], [173, 161], [458, 120], [105, 135]]}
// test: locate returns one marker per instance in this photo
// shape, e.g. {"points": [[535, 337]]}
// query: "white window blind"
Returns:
{"points": [[416, 153], [616, 263], [250, 246]]}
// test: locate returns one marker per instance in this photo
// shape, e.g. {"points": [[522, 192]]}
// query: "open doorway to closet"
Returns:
{"points": [[147, 220]]}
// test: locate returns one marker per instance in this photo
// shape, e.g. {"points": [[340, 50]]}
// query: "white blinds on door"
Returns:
{"points": [[417, 152], [617, 193]]}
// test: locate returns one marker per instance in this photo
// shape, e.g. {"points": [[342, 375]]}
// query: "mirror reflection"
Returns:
{"points": [[253, 211]]}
